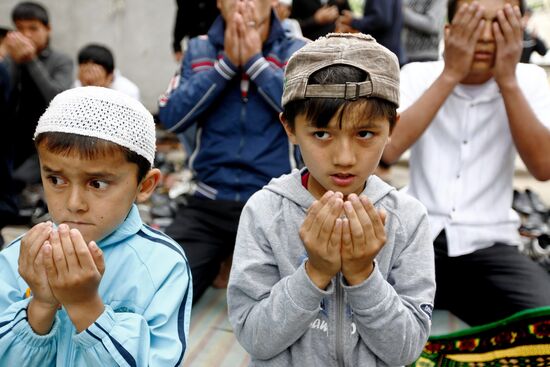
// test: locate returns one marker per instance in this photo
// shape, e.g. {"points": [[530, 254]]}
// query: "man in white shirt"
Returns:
{"points": [[464, 119]]}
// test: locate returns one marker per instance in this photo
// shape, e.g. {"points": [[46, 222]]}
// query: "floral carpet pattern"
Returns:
{"points": [[521, 340]]}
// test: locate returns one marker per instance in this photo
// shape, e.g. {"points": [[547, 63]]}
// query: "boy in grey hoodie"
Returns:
{"points": [[332, 266]]}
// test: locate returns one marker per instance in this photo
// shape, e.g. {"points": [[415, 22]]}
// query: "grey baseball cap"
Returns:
{"points": [[354, 49]]}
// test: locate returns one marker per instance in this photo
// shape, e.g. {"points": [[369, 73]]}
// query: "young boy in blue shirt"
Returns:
{"points": [[96, 287], [332, 266]]}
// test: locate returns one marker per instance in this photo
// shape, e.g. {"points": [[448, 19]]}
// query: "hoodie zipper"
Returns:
{"points": [[339, 322]]}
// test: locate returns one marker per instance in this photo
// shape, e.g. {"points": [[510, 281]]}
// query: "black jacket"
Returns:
{"points": [[193, 18], [303, 11]]}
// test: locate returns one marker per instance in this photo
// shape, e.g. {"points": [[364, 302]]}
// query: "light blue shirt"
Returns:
{"points": [[147, 292]]}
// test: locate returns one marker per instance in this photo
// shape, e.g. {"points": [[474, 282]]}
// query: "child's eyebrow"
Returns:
{"points": [[48, 169], [367, 124], [100, 174]]}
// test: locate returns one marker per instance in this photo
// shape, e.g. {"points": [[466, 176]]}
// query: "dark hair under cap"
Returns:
{"points": [[98, 54], [452, 6], [29, 10]]}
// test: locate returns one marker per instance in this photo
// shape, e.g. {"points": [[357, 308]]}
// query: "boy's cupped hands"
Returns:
{"points": [[61, 269], [342, 236]]}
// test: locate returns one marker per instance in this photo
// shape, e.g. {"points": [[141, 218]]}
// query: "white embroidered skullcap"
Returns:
{"points": [[286, 2], [101, 113]]}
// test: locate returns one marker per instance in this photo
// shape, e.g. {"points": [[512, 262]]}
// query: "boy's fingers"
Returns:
{"points": [[29, 237], [355, 227], [336, 236], [311, 215], [315, 210], [505, 27], [68, 247], [347, 244], [514, 21], [34, 233], [249, 11], [326, 197], [462, 17], [240, 24], [499, 37], [85, 259], [517, 12], [376, 224], [361, 207], [41, 236], [326, 219], [476, 16], [478, 31], [57, 253], [48, 260], [97, 256], [35, 240]]}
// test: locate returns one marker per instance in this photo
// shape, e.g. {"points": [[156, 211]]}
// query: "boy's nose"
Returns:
{"points": [[76, 201], [343, 155], [487, 34]]}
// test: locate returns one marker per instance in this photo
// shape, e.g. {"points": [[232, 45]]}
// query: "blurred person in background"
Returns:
{"points": [[382, 19], [317, 17], [32, 74], [531, 41], [193, 18], [423, 23], [96, 67], [283, 10], [229, 88]]}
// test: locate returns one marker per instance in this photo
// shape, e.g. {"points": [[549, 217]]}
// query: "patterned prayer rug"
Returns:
{"points": [[521, 340]]}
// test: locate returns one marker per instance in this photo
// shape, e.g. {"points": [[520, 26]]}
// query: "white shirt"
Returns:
{"points": [[462, 166], [124, 85]]}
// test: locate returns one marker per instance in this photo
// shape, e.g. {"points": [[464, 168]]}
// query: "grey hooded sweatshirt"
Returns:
{"points": [[282, 319]]}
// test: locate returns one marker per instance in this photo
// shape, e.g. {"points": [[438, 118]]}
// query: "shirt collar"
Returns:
{"points": [[488, 91], [131, 225]]}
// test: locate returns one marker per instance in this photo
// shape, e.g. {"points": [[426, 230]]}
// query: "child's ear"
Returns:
{"points": [[288, 129], [392, 127], [148, 184]]}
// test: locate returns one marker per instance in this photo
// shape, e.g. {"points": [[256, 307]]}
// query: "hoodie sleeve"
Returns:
{"points": [[393, 313], [19, 344], [256, 294], [157, 337], [196, 86]]}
